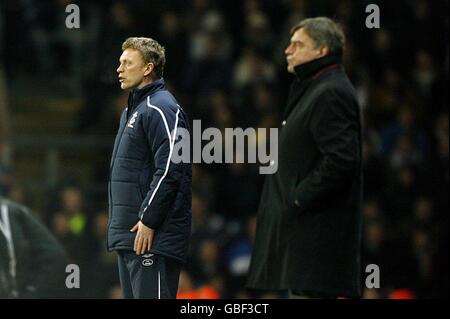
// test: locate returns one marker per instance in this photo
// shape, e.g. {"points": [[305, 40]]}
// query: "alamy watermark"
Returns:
{"points": [[373, 19], [73, 18], [232, 145], [73, 279], [373, 279]]}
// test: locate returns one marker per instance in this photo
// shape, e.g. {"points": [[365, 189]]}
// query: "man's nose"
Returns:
{"points": [[288, 50]]}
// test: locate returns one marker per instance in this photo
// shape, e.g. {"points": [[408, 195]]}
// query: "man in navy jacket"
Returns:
{"points": [[149, 194]]}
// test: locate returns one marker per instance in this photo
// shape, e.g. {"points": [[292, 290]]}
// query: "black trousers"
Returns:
{"points": [[148, 276]]}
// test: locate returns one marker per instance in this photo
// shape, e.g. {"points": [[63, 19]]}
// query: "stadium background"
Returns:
{"points": [[60, 101]]}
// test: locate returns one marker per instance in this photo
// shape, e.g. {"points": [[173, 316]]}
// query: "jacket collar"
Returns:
{"points": [[313, 68], [137, 95], [305, 73]]}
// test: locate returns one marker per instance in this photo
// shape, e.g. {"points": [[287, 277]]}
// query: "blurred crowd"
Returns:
{"points": [[225, 64]]}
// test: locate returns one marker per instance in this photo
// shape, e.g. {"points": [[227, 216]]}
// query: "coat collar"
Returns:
{"points": [[137, 95], [305, 74], [316, 67]]}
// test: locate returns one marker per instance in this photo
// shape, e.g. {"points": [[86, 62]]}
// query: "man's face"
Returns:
{"points": [[132, 70], [301, 50]]}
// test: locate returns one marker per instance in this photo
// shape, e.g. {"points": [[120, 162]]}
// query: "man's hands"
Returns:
{"points": [[144, 238]]}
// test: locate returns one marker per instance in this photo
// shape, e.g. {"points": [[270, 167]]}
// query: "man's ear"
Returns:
{"points": [[149, 69], [324, 51]]}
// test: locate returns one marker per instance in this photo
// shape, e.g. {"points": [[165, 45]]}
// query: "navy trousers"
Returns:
{"points": [[148, 276]]}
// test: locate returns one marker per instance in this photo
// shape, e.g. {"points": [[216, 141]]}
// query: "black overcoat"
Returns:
{"points": [[309, 219]]}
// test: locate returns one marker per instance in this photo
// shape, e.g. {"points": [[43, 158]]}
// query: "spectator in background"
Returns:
{"points": [[424, 216], [237, 256], [252, 68], [216, 111], [69, 224], [239, 179], [372, 211], [100, 271], [375, 170], [399, 194], [424, 73], [406, 135], [203, 183], [258, 33], [32, 262], [208, 258], [205, 222], [209, 72], [438, 169], [384, 98], [422, 253], [72, 205], [188, 290], [256, 106], [206, 226], [382, 51], [203, 19], [405, 153]]}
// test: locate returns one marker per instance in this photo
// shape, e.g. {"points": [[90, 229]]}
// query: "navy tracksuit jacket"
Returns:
{"points": [[144, 183]]}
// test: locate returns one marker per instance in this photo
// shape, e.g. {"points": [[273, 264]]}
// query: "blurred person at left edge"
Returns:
{"points": [[32, 262]]}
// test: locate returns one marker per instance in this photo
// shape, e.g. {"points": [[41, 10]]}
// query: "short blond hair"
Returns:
{"points": [[151, 51]]}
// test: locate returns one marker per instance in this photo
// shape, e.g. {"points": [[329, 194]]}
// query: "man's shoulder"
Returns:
{"points": [[337, 84], [162, 100]]}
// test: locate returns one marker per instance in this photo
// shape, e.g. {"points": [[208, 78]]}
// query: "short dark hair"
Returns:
{"points": [[324, 32]]}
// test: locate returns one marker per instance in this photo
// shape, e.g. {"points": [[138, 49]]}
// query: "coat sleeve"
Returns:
{"points": [[49, 260], [161, 130], [334, 127]]}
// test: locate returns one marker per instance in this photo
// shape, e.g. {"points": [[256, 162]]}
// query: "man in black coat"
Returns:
{"points": [[309, 219], [32, 262]]}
